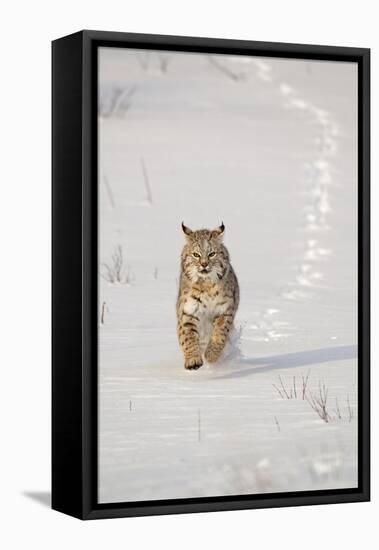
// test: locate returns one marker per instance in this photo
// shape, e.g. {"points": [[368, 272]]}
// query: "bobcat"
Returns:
{"points": [[208, 296]]}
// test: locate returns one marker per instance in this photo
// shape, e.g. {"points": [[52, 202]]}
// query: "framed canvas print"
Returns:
{"points": [[210, 274]]}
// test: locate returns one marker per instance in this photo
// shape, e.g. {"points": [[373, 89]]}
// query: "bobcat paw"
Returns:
{"points": [[193, 362], [212, 353]]}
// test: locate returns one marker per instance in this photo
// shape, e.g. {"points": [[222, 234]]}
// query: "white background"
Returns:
{"points": [[27, 29]]}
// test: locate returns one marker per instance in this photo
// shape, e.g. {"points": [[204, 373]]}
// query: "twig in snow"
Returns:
{"points": [[318, 402], [288, 395], [225, 70], [108, 101], [164, 60], [278, 390], [116, 101], [277, 423], [337, 410], [103, 308], [292, 391], [143, 59], [116, 272], [125, 102], [109, 190], [149, 196], [350, 410], [304, 385]]}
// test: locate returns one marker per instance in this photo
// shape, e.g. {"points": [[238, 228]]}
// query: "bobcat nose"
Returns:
{"points": [[204, 263]]}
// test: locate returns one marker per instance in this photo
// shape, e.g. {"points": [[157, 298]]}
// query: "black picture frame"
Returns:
{"points": [[74, 315]]}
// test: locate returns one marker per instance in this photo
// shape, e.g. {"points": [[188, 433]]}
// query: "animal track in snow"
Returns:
{"points": [[318, 179]]}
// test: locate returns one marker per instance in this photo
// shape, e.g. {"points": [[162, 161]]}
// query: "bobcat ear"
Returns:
{"points": [[186, 230], [219, 231]]}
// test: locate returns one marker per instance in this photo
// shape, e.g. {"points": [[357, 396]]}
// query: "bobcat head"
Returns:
{"points": [[205, 255]]}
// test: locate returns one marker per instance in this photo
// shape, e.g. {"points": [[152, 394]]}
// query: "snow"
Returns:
{"points": [[269, 147]]}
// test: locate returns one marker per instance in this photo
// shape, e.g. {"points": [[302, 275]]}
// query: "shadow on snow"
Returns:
{"points": [[291, 360]]}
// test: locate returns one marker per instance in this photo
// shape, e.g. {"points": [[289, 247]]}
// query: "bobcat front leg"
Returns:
{"points": [[221, 328], [188, 332]]}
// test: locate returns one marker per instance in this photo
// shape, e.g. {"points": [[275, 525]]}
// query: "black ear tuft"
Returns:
{"points": [[186, 230], [219, 231]]}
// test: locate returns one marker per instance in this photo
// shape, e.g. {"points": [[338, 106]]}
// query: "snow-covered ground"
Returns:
{"points": [[268, 146]]}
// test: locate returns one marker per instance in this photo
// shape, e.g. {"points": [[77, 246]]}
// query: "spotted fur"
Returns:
{"points": [[208, 297]]}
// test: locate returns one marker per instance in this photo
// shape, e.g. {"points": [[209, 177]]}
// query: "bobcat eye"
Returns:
{"points": [[196, 255], [212, 254]]}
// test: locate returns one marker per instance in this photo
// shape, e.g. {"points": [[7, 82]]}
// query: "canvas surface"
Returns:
{"points": [[269, 147]]}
